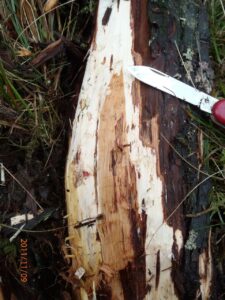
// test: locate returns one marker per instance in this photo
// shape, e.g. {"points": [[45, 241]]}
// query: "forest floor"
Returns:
{"points": [[40, 46]]}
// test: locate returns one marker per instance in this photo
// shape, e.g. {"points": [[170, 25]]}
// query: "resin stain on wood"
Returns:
{"points": [[115, 179]]}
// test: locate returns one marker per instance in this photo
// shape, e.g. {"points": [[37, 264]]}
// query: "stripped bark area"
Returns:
{"points": [[123, 180]]}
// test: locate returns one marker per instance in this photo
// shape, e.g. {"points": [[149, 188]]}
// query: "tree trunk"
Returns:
{"points": [[125, 184]]}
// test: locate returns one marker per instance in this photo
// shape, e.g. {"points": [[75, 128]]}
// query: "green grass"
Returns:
{"points": [[214, 142], [214, 136], [34, 93], [33, 127], [217, 26]]}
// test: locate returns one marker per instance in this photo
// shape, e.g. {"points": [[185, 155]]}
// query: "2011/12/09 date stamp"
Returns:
{"points": [[23, 267]]}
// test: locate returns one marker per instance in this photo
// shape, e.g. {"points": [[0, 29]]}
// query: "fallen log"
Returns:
{"points": [[126, 187]]}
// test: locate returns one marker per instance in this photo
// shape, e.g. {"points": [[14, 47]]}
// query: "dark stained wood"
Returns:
{"points": [[186, 25]]}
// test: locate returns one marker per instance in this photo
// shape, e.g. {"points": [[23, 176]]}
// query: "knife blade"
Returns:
{"points": [[181, 90]]}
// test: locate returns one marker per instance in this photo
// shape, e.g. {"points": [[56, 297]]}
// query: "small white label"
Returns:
{"points": [[80, 273], [20, 218], [2, 174]]}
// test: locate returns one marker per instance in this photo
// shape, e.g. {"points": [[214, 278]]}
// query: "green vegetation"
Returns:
{"points": [[32, 90], [8, 250], [213, 146], [214, 136], [40, 46], [217, 26]]}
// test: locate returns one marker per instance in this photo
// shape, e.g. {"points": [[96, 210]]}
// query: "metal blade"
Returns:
{"points": [[173, 87]]}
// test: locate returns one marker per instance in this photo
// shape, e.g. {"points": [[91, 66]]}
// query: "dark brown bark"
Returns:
{"points": [[165, 24], [186, 25]]}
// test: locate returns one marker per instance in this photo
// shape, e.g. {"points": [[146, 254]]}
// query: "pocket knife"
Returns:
{"points": [[183, 91]]}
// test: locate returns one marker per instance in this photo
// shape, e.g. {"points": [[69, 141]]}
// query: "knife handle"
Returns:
{"points": [[218, 112]]}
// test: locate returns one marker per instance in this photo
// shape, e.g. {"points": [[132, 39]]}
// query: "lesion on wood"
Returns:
{"points": [[116, 179]]}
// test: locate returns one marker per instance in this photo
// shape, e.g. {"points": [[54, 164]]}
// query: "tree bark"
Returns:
{"points": [[126, 186]]}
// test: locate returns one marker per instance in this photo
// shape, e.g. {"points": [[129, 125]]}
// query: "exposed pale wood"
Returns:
{"points": [[114, 174]]}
